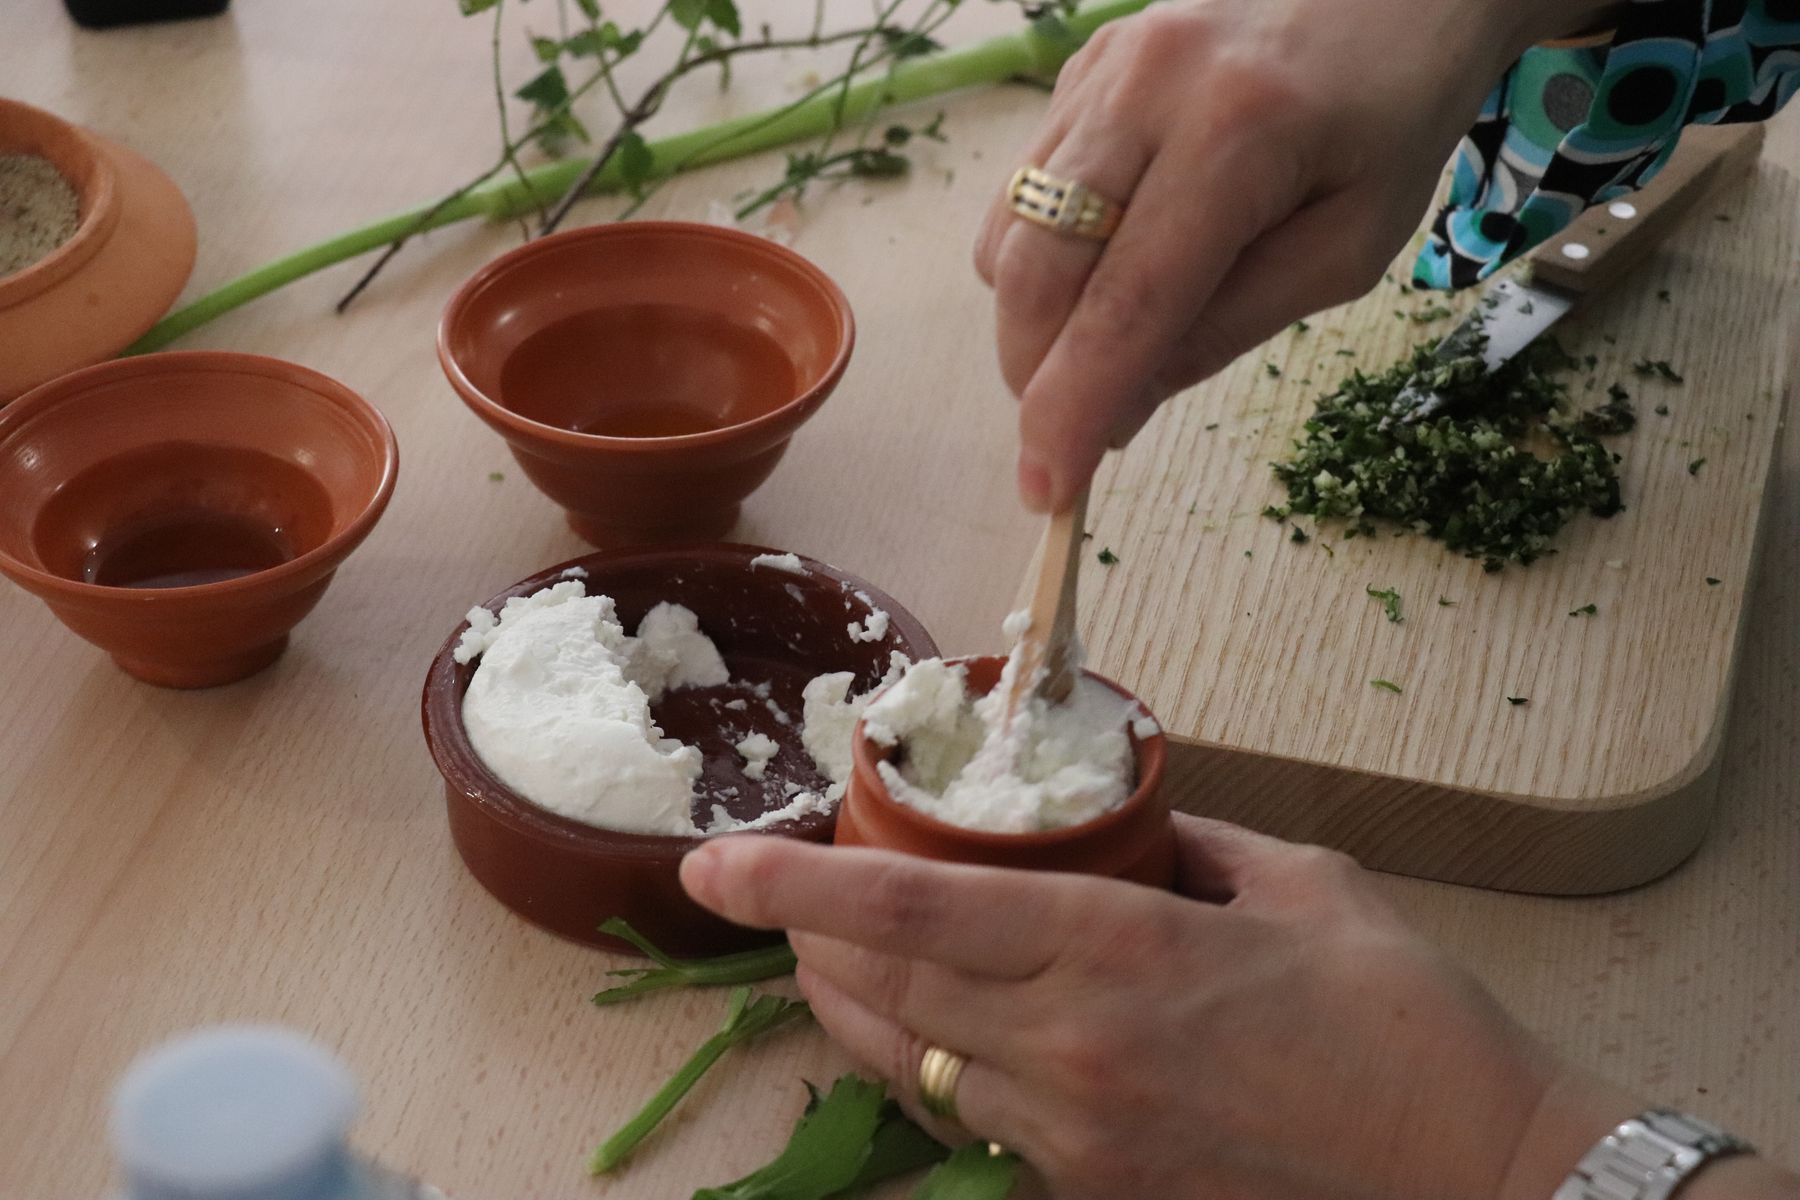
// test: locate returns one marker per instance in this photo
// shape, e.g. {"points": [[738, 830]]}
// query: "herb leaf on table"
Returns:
{"points": [[747, 966], [827, 1151], [974, 1172], [746, 1017]]}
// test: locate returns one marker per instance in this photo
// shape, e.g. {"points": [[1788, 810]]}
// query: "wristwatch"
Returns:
{"points": [[1648, 1157]]}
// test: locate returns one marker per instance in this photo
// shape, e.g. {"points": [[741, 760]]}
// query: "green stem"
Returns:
{"points": [[746, 966], [745, 1019], [1027, 52]]}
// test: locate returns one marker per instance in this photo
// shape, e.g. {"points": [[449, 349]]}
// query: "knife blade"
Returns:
{"points": [[1598, 247]]}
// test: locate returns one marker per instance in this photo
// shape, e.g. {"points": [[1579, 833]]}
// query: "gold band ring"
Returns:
{"points": [[1064, 205], [939, 1071]]}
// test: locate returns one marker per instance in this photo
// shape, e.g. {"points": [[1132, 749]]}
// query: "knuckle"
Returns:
{"points": [[898, 905], [1120, 302]]}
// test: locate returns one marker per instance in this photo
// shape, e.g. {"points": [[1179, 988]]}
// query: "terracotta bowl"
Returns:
{"points": [[773, 627], [98, 291], [1135, 841], [647, 375], [183, 511]]}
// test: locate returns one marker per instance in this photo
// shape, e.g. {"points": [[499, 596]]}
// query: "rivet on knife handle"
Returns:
{"points": [[1609, 239]]}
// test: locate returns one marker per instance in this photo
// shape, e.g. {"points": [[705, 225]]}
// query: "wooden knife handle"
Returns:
{"points": [[1609, 239]]}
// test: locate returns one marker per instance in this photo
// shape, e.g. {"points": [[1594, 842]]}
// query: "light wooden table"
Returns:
{"points": [[277, 851]]}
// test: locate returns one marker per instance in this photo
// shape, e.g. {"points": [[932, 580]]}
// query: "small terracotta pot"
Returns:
{"points": [[1135, 841], [97, 292], [121, 480], [647, 375], [771, 626]]}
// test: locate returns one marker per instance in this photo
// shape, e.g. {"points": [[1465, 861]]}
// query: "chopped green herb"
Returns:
{"points": [[745, 1018], [1658, 368], [1107, 557], [1517, 700], [1341, 353], [1326, 547], [1273, 370], [1527, 308], [1446, 602], [974, 1172], [1712, 582], [1694, 467], [1611, 339], [1721, 216], [1662, 410], [1436, 312], [1301, 327], [1386, 685], [1192, 505], [1249, 554], [1466, 475], [1298, 536], [1275, 513], [1586, 610], [747, 966], [496, 476], [1615, 416], [1390, 601], [1214, 425], [1663, 295]]}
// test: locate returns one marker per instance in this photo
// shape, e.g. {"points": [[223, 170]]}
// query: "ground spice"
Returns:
{"points": [[39, 211]]}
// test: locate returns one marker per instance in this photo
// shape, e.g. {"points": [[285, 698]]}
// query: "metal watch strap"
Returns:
{"points": [[1648, 1157]]}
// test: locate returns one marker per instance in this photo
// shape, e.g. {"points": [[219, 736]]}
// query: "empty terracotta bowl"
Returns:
{"points": [[127, 261], [776, 629], [647, 375], [183, 511], [1135, 841]]}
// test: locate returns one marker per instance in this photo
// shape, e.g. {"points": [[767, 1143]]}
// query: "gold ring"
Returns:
{"points": [[939, 1071], [1064, 205]]}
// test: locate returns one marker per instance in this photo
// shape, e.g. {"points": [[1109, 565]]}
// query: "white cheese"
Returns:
{"points": [[779, 562], [757, 750], [830, 716], [871, 628], [671, 652]]}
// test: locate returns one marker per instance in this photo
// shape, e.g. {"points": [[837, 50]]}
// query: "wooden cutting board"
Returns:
{"points": [[1257, 653]]}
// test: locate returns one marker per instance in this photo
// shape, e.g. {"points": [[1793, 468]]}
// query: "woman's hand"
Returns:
{"points": [[1277, 1033], [1274, 155]]}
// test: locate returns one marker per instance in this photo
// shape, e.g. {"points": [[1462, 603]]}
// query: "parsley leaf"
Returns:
{"points": [[1390, 601], [1586, 610], [1106, 556], [1386, 685]]}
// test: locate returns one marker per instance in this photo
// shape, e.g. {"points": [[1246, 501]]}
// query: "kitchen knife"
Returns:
{"points": [[1602, 244]]}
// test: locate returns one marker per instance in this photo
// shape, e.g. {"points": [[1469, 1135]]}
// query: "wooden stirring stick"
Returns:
{"points": [[1046, 641]]}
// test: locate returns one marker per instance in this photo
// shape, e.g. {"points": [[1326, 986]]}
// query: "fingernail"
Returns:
{"points": [[1035, 483], [700, 873]]}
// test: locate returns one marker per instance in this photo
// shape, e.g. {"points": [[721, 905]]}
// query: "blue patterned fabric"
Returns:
{"points": [[1566, 129]]}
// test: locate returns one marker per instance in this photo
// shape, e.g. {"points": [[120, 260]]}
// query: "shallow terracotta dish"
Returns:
{"points": [[1135, 841], [773, 627], [97, 292], [647, 375], [183, 511]]}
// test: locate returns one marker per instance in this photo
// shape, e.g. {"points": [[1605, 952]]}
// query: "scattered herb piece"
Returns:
{"points": [[1586, 610], [1275, 513], [1712, 582], [745, 1018], [1694, 467], [1720, 217], [1301, 327], [1212, 426], [1436, 312], [1248, 554], [974, 1172], [1464, 475], [1390, 601], [1659, 368], [1326, 547], [1107, 557], [1662, 410], [496, 476], [1663, 295], [1344, 353], [1386, 685], [1515, 701], [1273, 370], [1298, 536], [1527, 308], [1611, 339], [1446, 602], [1590, 361], [1192, 505], [1615, 416], [747, 966]]}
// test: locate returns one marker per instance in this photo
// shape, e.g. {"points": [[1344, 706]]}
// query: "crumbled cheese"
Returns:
{"points": [[830, 716], [737, 705], [555, 713], [573, 573], [671, 652], [803, 804], [757, 750], [1053, 766], [1015, 625], [1144, 726], [871, 628], [779, 562]]}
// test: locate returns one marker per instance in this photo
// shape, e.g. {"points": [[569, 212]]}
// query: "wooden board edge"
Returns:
{"points": [[1472, 838]]}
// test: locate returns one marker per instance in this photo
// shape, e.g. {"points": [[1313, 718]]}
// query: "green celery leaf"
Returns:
{"points": [[972, 1173], [547, 90], [548, 49], [635, 161], [824, 1155], [471, 7], [900, 1147]]}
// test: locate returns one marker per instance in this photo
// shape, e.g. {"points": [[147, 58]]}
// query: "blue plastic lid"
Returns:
{"points": [[235, 1113]]}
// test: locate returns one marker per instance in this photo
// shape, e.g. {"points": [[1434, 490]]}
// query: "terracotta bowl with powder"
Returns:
{"points": [[776, 629], [1134, 841], [647, 375], [75, 295]]}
